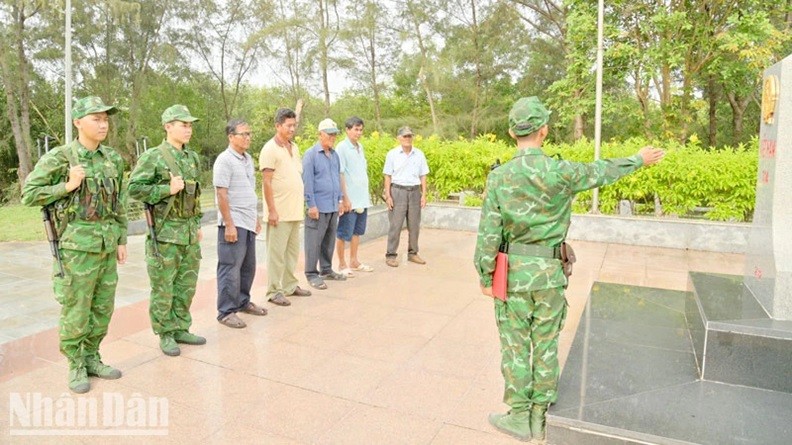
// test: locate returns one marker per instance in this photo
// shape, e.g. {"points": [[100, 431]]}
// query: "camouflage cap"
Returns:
{"points": [[527, 116], [90, 105], [177, 113]]}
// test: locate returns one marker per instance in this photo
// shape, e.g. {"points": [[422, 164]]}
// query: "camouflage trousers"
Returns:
{"points": [[529, 324], [173, 277], [86, 293]]}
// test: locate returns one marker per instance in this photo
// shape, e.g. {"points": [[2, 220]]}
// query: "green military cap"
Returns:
{"points": [[527, 116], [177, 113], [90, 105]]}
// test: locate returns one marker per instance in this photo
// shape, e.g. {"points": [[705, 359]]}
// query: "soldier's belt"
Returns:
{"points": [[536, 250]]}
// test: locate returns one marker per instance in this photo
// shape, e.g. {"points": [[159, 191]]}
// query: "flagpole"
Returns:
{"points": [[68, 71], [598, 106]]}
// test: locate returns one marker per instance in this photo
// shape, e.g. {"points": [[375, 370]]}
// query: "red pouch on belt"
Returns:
{"points": [[499, 277]]}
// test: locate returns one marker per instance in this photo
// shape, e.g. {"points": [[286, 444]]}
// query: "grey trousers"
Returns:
{"points": [[406, 204], [236, 269], [320, 237]]}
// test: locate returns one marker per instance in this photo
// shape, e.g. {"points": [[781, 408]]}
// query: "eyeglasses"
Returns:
{"points": [[246, 134], [407, 136]]}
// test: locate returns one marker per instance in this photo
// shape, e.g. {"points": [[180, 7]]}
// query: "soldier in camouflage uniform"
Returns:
{"points": [[527, 208], [167, 178], [81, 184]]}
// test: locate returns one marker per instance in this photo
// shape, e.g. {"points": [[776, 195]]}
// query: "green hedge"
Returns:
{"points": [[720, 184]]}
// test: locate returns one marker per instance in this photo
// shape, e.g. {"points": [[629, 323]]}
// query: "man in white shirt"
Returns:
{"points": [[405, 173]]}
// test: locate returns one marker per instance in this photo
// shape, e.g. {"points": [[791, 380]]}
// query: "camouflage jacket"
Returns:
{"points": [[150, 183], [529, 201], [93, 217]]}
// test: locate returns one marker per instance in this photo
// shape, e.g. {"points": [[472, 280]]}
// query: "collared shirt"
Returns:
{"points": [[355, 170], [322, 179], [235, 172], [405, 169], [287, 184]]}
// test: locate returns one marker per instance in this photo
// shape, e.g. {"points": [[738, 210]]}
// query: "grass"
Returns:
{"points": [[21, 223]]}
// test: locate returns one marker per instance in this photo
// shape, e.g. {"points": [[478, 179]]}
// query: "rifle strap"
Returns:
{"points": [[174, 168]]}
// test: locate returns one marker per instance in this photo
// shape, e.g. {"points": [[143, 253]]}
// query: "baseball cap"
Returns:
{"points": [[90, 105], [177, 113], [527, 116], [404, 131], [328, 126]]}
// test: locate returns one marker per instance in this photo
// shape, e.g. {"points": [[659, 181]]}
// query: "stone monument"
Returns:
{"points": [[768, 266]]}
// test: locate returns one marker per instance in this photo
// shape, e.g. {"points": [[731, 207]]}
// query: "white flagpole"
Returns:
{"points": [[68, 71], [598, 106]]}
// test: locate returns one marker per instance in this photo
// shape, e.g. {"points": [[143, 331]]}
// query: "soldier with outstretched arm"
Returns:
{"points": [[526, 211], [80, 186]]}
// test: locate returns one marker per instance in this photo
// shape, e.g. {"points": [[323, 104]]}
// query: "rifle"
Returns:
{"points": [[52, 237], [148, 209]]}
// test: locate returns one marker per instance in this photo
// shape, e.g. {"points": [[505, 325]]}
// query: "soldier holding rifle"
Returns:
{"points": [[80, 186], [166, 177]]}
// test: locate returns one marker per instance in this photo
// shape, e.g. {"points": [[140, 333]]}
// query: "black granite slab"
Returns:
{"points": [[629, 379]]}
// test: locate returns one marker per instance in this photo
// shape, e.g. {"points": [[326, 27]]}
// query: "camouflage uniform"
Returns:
{"points": [[174, 273], [528, 202], [91, 223]]}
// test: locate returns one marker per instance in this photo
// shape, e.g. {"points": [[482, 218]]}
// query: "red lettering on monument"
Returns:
{"points": [[758, 273], [767, 148], [765, 177]]}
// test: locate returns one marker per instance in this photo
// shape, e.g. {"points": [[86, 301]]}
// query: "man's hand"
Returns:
{"points": [[651, 155], [341, 208], [176, 184], [258, 226], [76, 176], [389, 202], [272, 218], [200, 235], [231, 234], [313, 212], [423, 200], [347, 205], [121, 254], [487, 291]]}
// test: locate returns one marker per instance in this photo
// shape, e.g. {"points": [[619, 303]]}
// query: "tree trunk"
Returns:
{"points": [[579, 128], [738, 106], [422, 71]]}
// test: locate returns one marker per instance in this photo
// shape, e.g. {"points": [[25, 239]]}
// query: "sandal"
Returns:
{"points": [[280, 300], [363, 268], [253, 309], [232, 321], [334, 276], [318, 284], [347, 272]]}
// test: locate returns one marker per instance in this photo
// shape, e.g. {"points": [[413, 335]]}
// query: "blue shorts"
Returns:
{"points": [[351, 223]]}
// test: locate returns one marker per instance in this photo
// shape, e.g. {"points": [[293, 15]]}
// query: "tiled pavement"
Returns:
{"points": [[400, 355]]}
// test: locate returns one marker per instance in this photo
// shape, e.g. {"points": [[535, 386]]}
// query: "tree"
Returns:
{"points": [[15, 71]]}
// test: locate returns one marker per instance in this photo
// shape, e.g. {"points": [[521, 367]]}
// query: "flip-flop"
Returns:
{"points": [[347, 272], [363, 268]]}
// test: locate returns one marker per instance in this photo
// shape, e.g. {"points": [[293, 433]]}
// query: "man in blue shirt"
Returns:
{"points": [[405, 173], [355, 181], [323, 197]]}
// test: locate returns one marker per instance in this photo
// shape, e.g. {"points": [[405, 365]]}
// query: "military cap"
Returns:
{"points": [[527, 116], [404, 131], [90, 105], [177, 113], [328, 126]]}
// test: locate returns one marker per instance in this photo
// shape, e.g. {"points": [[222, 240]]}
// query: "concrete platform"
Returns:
{"points": [[406, 355]]}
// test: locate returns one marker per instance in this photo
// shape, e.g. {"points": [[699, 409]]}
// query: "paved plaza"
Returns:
{"points": [[406, 355]]}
